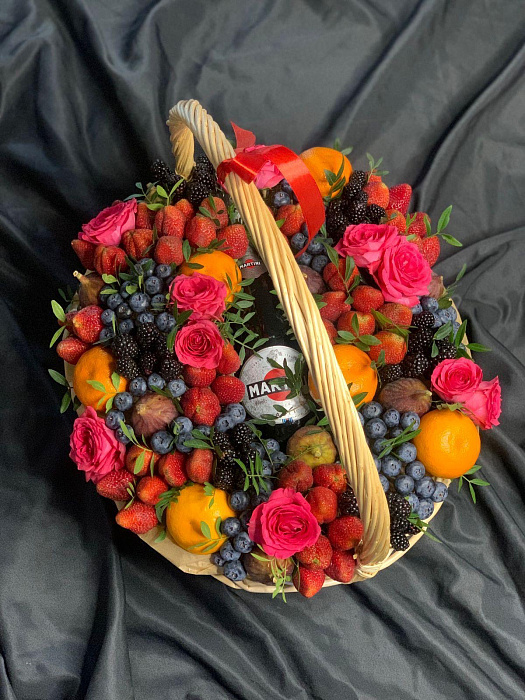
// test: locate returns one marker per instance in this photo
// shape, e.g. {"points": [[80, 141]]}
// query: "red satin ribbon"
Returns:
{"points": [[248, 164]]}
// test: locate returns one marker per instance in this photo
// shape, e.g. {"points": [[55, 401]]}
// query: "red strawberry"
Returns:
{"points": [[144, 468], [200, 231], [110, 260], [139, 518], [87, 324], [137, 241], [228, 389], [400, 197], [235, 240], [399, 314], [199, 466], [308, 582], [377, 193], [71, 349], [335, 278], [317, 556], [297, 476], [168, 250], [293, 218], [86, 252], [335, 305], [186, 208], [323, 503], [393, 344], [366, 322], [230, 360], [417, 227], [429, 248], [331, 476], [144, 217], [341, 567], [201, 406], [367, 298], [345, 532], [218, 211], [115, 485], [395, 218], [149, 489], [170, 221], [172, 468], [68, 321], [198, 376], [331, 330]]}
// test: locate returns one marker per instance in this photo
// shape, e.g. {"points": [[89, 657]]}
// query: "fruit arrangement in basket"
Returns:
{"points": [[198, 413]]}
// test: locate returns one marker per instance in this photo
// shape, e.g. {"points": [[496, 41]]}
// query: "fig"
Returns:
{"points": [[436, 288], [313, 445], [151, 413], [261, 571], [314, 280], [406, 395], [90, 286]]}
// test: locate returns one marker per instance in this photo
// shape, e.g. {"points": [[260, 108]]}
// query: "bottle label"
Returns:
{"points": [[261, 396], [251, 265]]}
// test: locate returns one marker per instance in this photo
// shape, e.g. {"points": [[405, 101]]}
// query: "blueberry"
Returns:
{"points": [[153, 285], [404, 484], [285, 185], [278, 457], [395, 432], [379, 445], [158, 300], [176, 387], [304, 230], [437, 321], [298, 241], [113, 301], [239, 500], [280, 199], [139, 302], [125, 326], [107, 317], [384, 482], [121, 436], [156, 381], [410, 419], [375, 428], [165, 322], [228, 553], [223, 423], [242, 542], [138, 386], [429, 304], [261, 497], [234, 571], [168, 281], [184, 424], [123, 401], [315, 247], [145, 317], [182, 437], [417, 309], [319, 263], [231, 527], [161, 442], [443, 316], [163, 271], [450, 312], [415, 469], [425, 508], [361, 419], [272, 445], [390, 465], [103, 294], [145, 267], [236, 412], [414, 501], [204, 429], [258, 448], [217, 559], [440, 492], [377, 462], [125, 289], [245, 516], [455, 327], [267, 469], [304, 259], [391, 417], [113, 419], [425, 487], [106, 334], [406, 452], [123, 311], [372, 409]]}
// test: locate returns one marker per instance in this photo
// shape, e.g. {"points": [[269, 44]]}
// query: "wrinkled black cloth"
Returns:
{"points": [[437, 89]]}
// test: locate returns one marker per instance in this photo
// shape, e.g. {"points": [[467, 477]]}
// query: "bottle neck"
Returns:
{"points": [[273, 324]]}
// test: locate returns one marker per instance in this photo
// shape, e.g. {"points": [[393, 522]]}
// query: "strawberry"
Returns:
{"points": [[308, 582], [335, 305], [345, 532], [297, 476], [293, 218], [317, 556], [331, 330], [218, 211], [168, 250], [201, 406], [230, 360], [137, 241], [186, 208], [170, 221], [172, 468], [71, 349], [395, 218], [228, 389], [367, 298], [366, 322], [417, 227], [139, 518], [68, 321], [198, 376], [393, 344], [133, 454], [429, 248], [145, 217], [199, 466], [115, 485], [149, 489], [377, 193], [85, 252], [87, 324], [331, 476], [323, 503], [341, 566], [235, 240], [399, 314], [335, 278], [110, 260], [200, 231], [400, 197]]}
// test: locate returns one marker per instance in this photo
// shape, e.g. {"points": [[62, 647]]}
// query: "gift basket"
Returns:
{"points": [[272, 384]]}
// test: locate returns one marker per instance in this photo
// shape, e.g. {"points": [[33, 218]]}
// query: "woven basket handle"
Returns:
{"points": [[187, 119]]}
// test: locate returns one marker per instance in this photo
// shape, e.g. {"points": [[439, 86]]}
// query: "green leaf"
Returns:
{"points": [[139, 463], [152, 464], [442, 332], [128, 432], [479, 482], [109, 279], [194, 266], [460, 483], [161, 537], [58, 378], [333, 255], [347, 151], [460, 333], [444, 219], [357, 399], [205, 529], [280, 222], [209, 547], [450, 239], [472, 492], [428, 228], [96, 385], [473, 470], [66, 400], [109, 403], [461, 272], [57, 335], [218, 526], [186, 250], [155, 207], [197, 444], [170, 340], [435, 350], [478, 347], [58, 310], [115, 380], [162, 191]]}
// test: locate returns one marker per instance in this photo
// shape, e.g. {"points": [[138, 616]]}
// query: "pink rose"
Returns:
{"points": [[366, 243], [284, 525], [484, 405], [456, 380], [403, 274], [268, 175], [201, 293], [108, 226], [199, 344], [94, 447]]}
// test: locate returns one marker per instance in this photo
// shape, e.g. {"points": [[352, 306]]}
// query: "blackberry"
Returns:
{"points": [[147, 334], [389, 373], [124, 346], [160, 171], [420, 339], [361, 198], [347, 502], [197, 191], [351, 189], [160, 347], [399, 525], [447, 351], [412, 529], [222, 441], [148, 362], [204, 173], [128, 368], [356, 213], [170, 368], [249, 455], [224, 474], [375, 213], [336, 218], [241, 436], [398, 506], [415, 365], [423, 320], [358, 177], [399, 542], [204, 163]]}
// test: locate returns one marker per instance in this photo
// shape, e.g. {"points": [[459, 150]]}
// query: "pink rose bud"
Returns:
{"points": [[403, 274], [268, 175], [94, 447], [199, 344], [366, 243], [200, 293], [456, 380], [108, 226], [484, 405]]}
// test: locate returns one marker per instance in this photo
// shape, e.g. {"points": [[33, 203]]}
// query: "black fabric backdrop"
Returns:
{"points": [[437, 88]]}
